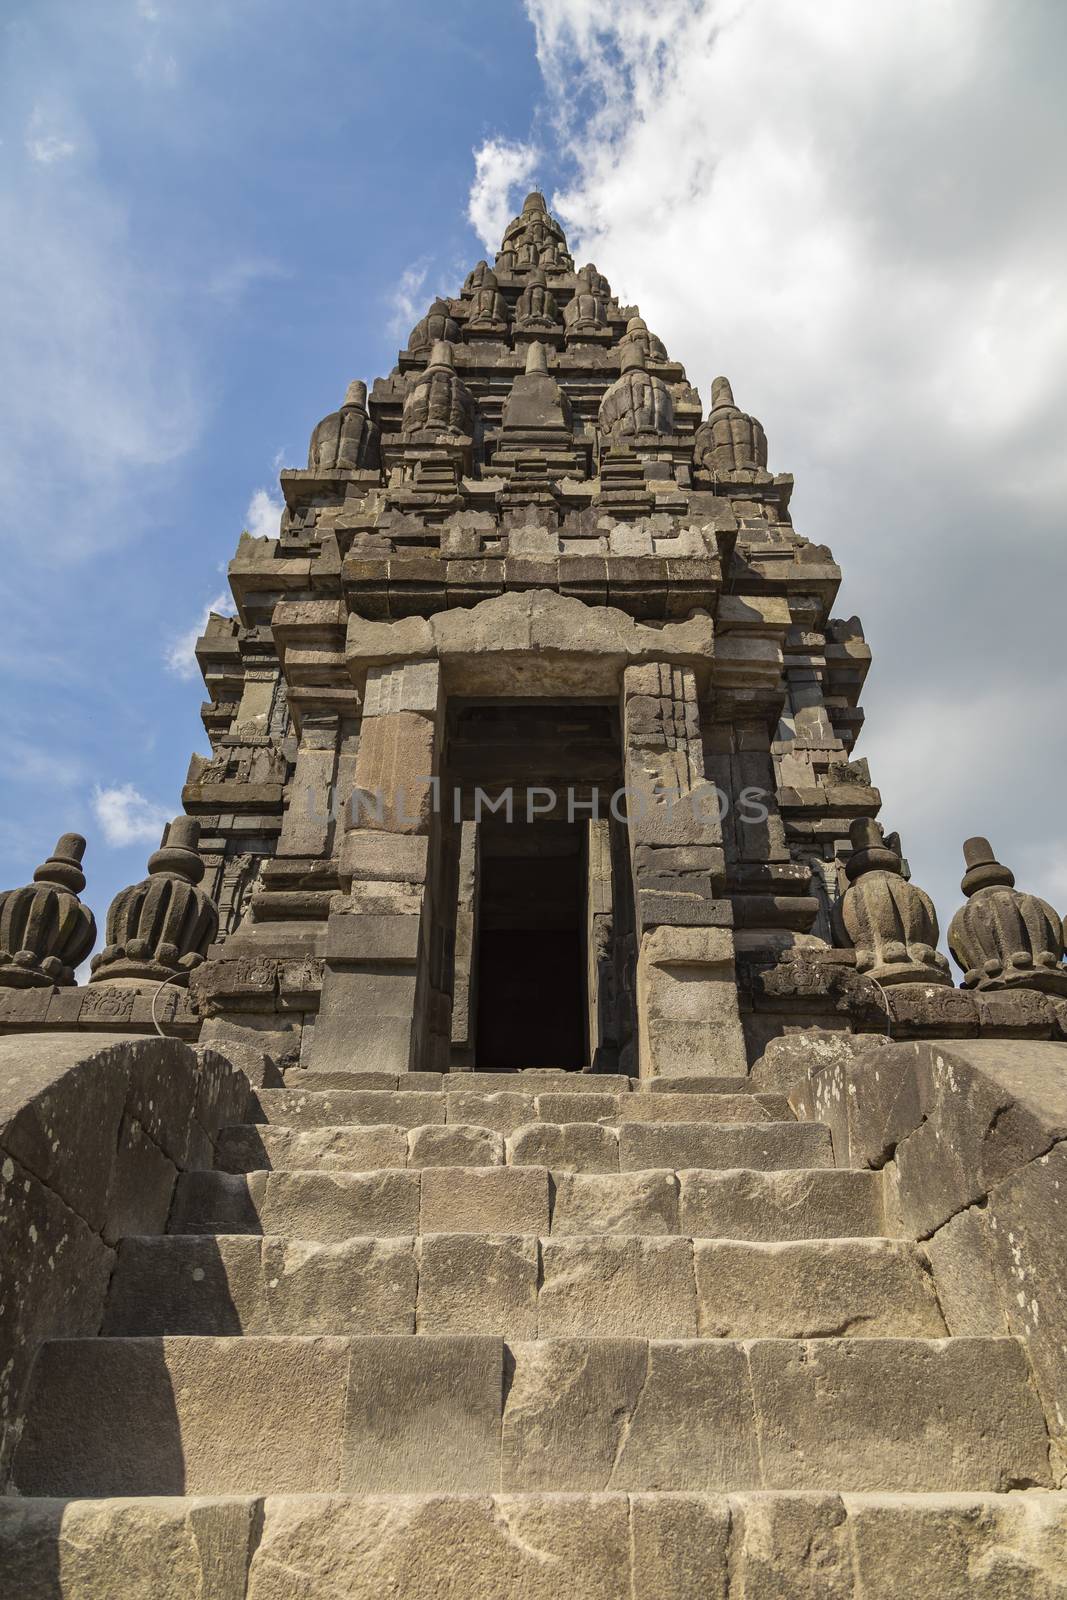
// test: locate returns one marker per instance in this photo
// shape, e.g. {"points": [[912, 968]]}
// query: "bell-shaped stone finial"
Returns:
{"points": [[477, 276], [45, 931], [1003, 938], [587, 311], [891, 924], [161, 927], [593, 281], [439, 402], [537, 309], [730, 444], [637, 333], [638, 401], [488, 308], [536, 358], [533, 239], [346, 439], [438, 323], [536, 401]]}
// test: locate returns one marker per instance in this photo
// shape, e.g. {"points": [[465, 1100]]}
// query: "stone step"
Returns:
{"points": [[393, 1414], [564, 1146], [539, 1546], [504, 1110], [523, 1287], [527, 1080], [327, 1207]]}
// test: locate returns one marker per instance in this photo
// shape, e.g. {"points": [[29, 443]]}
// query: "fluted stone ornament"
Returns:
{"points": [[161, 927], [637, 333], [45, 931], [1003, 938], [346, 439], [537, 309], [587, 311], [533, 239], [536, 400], [438, 323], [488, 309], [592, 279], [438, 402], [637, 402], [730, 443], [891, 924], [476, 277]]}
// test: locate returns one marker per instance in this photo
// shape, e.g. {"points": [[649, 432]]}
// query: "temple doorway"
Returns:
{"points": [[531, 946]]}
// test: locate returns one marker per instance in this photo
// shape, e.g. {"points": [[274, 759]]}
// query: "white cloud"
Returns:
{"points": [[500, 165], [49, 147], [50, 135], [407, 299], [100, 378], [180, 655], [816, 198], [126, 817], [261, 521], [229, 282], [263, 515]]}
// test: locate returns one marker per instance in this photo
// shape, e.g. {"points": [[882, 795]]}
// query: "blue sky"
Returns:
{"points": [[213, 215]]}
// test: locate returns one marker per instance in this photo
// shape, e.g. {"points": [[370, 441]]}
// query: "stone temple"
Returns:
{"points": [[522, 1137]]}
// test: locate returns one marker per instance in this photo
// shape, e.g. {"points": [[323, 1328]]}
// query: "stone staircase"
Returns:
{"points": [[521, 1335]]}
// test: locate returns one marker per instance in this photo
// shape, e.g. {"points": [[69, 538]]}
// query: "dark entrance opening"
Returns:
{"points": [[531, 947]]}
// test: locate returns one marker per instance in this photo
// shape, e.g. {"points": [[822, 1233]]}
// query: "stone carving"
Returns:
{"points": [[45, 931], [240, 879], [439, 402], [637, 402], [533, 239], [536, 400], [729, 442], [1003, 938], [489, 309], [595, 282], [476, 278], [587, 311], [891, 924], [637, 333], [161, 928], [346, 439], [240, 763], [537, 308], [438, 323]]}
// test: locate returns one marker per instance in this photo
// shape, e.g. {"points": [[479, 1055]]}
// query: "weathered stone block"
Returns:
{"points": [[478, 1283], [485, 1200], [422, 1414], [830, 1288], [565, 1147], [763, 1146], [293, 1108], [455, 1144], [769, 1206], [617, 1287], [567, 1412], [624, 1202], [680, 1546], [169, 1549], [703, 1387], [961, 1254], [897, 1414], [502, 1111], [184, 1416], [489, 1547], [250, 1146]]}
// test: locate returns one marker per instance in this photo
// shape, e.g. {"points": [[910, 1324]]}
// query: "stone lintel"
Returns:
{"points": [[533, 643]]}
